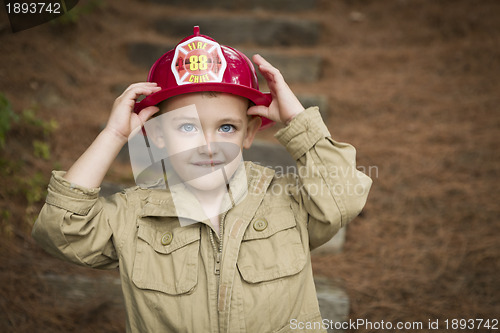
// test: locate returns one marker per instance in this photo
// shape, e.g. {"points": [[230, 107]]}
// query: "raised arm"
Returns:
{"points": [[328, 185], [89, 170]]}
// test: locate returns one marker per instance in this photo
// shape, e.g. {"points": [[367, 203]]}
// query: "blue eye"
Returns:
{"points": [[187, 128], [226, 128]]}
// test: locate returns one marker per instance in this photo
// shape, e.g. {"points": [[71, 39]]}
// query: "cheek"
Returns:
{"points": [[233, 143], [230, 150]]}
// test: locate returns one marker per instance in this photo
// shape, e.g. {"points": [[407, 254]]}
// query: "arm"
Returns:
{"points": [[89, 170], [75, 224], [328, 185]]}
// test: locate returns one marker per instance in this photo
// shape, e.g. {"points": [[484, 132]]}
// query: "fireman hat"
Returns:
{"points": [[198, 63]]}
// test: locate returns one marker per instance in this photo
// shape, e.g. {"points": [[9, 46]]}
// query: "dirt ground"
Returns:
{"points": [[412, 84]]}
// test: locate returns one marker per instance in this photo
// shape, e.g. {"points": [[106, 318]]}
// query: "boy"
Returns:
{"points": [[216, 245]]}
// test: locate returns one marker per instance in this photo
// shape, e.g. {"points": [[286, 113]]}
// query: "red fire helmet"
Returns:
{"points": [[199, 63]]}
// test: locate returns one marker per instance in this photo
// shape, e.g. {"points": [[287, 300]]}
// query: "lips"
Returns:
{"points": [[208, 163]]}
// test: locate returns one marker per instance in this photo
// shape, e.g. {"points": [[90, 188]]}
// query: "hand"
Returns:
{"points": [[285, 105], [123, 120]]}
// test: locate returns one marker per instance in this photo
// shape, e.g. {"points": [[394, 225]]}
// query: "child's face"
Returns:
{"points": [[203, 134]]}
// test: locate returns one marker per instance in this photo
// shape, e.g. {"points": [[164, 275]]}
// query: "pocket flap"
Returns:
{"points": [[275, 223], [180, 236]]}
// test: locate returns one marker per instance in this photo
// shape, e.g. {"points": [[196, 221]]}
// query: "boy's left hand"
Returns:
{"points": [[285, 105]]}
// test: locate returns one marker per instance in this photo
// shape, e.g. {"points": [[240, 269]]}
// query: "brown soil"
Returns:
{"points": [[413, 85]]}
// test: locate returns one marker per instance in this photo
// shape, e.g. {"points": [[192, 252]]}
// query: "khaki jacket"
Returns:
{"points": [[167, 270]]}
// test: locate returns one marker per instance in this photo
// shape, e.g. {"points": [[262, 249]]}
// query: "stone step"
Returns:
{"points": [[295, 68], [321, 101], [108, 188], [334, 245], [278, 5], [143, 54], [241, 30], [78, 292], [333, 302], [74, 291], [305, 68], [270, 155]]}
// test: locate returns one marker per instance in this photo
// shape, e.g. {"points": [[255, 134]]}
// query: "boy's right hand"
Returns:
{"points": [[123, 120]]}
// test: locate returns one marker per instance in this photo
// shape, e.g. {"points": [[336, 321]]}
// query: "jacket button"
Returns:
{"points": [[166, 238], [260, 224]]}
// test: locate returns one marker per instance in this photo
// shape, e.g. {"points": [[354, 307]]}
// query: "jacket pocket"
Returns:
{"points": [[166, 260], [272, 247]]}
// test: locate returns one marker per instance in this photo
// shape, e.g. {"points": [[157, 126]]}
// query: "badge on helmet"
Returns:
{"points": [[198, 60]]}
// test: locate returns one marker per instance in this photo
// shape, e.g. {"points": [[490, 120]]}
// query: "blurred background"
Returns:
{"points": [[412, 84]]}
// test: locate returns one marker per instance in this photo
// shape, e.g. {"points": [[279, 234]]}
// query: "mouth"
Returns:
{"points": [[208, 163]]}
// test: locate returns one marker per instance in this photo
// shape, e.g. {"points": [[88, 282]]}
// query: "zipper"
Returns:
{"points": [[217, 251]]}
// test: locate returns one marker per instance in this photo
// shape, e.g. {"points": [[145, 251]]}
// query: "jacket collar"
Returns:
{"points": [[178, 201]]}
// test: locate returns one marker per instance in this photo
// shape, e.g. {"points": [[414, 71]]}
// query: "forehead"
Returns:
{"points": [[208, 105]]}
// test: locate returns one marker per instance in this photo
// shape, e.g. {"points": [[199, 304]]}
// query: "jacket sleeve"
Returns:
{"points": [[74, 224], [328, 185]]}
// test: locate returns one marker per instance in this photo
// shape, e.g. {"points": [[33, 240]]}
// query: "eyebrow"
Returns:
{"points": [[196, 119], [231, 120], [184, 118]]}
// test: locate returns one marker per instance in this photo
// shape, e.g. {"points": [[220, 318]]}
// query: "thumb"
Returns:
{"points": [[146, 113]]}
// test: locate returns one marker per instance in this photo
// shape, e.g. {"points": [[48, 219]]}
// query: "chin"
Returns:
{"points": [[209, 182]]}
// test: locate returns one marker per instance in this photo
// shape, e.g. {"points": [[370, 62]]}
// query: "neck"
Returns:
{"points": [[211, 202]]}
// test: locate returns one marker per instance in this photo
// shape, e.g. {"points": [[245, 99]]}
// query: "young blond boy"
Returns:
{"points": [[226, 247]]}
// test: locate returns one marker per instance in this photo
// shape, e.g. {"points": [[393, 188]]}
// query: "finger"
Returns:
{"points": [[265, 65], [142, 84], [271, 74], [258, 110], [147, 113], [130, 96], [259, 60], [143, 88]]}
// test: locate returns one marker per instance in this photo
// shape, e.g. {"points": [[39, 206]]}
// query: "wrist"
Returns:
{"points": [[289, 120], [112, 134]]}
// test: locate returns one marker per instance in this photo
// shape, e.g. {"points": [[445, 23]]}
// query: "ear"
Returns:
{"points": [[252, 128], [157, 136]]}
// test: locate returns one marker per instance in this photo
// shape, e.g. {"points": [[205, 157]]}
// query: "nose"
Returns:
{"points": [[210, 148]]}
